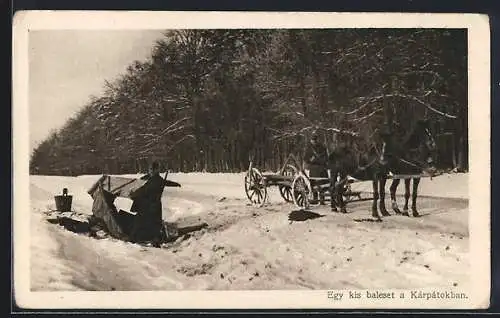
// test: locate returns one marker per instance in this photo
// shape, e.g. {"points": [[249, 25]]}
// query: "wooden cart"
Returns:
{"points": [[303, 187], [256, 182], [291, 176]]}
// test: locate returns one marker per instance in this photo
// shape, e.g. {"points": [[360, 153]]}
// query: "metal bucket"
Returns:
{"points": [[63, 202]]}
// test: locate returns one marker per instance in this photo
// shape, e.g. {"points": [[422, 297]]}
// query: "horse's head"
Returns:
{"points": [[385, 135], [419, 144], [427, 141]]}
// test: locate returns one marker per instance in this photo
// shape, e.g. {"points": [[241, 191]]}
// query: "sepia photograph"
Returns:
{"points": [[251, 160]]}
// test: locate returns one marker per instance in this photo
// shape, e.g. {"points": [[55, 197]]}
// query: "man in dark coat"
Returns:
{"points": [[315, 159], [148, 223]]}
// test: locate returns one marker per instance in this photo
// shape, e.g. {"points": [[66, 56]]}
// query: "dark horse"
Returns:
{"points": [[410, 156], [414, 156]]}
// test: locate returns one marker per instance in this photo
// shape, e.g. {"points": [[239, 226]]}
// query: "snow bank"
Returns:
{"points": [[445, 186], [48, 270], [332, 252], [453, 185]]}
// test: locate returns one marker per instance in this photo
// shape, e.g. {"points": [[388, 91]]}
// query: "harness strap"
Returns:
{"points": [[411, 164]]}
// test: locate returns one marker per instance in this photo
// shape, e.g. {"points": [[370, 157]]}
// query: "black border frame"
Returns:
{"points": [[489, 7]]}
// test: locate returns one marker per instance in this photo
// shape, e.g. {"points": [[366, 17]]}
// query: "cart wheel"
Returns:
{"points": [[255, 187], [301, 190], [286, 191]]}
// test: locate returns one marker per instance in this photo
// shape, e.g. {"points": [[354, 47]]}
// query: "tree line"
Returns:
{"points": [[208, 100]]}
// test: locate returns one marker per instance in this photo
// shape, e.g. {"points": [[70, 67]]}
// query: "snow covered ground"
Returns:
{"points": [[245, 247]]}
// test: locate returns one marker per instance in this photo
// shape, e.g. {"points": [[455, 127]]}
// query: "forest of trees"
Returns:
{"points": [[207, 100]]}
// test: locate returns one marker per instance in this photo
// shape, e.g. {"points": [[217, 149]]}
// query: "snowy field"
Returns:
{"points": [[245, 247]]}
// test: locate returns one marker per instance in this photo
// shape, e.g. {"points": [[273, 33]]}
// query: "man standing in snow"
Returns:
{"points": [[341, 160], [316, 158], [148, 223]]}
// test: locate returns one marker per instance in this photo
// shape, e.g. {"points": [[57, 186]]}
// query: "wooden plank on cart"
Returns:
{"points": [[397, 176], [409, 176]]}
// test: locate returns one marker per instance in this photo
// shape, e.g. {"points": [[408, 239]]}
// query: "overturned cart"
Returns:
{"points": [[145, 194]]}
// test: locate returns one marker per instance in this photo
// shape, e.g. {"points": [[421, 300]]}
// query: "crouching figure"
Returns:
{"points": [[148, 225]]}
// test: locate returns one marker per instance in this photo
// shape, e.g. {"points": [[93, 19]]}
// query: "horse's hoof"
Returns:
{"points": [[415, 214], [383, 210], [343, 210], [333, 209], [395, 208], [405, 213]]}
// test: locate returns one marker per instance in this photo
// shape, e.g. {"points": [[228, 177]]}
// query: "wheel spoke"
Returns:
{"points": [[300, 200], [262, 197], [286, 193], [255, 187], [300, 190]]}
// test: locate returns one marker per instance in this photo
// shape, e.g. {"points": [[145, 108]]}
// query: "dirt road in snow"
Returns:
{"points": [[254, 248]]}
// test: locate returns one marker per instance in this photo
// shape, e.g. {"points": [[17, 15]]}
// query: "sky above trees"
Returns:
{"points": [[66, 67]]}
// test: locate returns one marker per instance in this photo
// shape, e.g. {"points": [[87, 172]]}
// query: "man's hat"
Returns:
{"points": [[155, 165], [315, 135]]}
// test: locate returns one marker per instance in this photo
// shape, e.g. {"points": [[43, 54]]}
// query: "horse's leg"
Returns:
{"points": [[333, 191], [407, 196], [393, 189], [321, 194], [383, 210], [416, 182], [375, 198], [340, 194], [340, 200], [315, 196]]}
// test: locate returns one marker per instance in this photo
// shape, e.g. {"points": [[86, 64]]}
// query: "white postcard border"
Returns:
{"points": [[479, 155]]}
